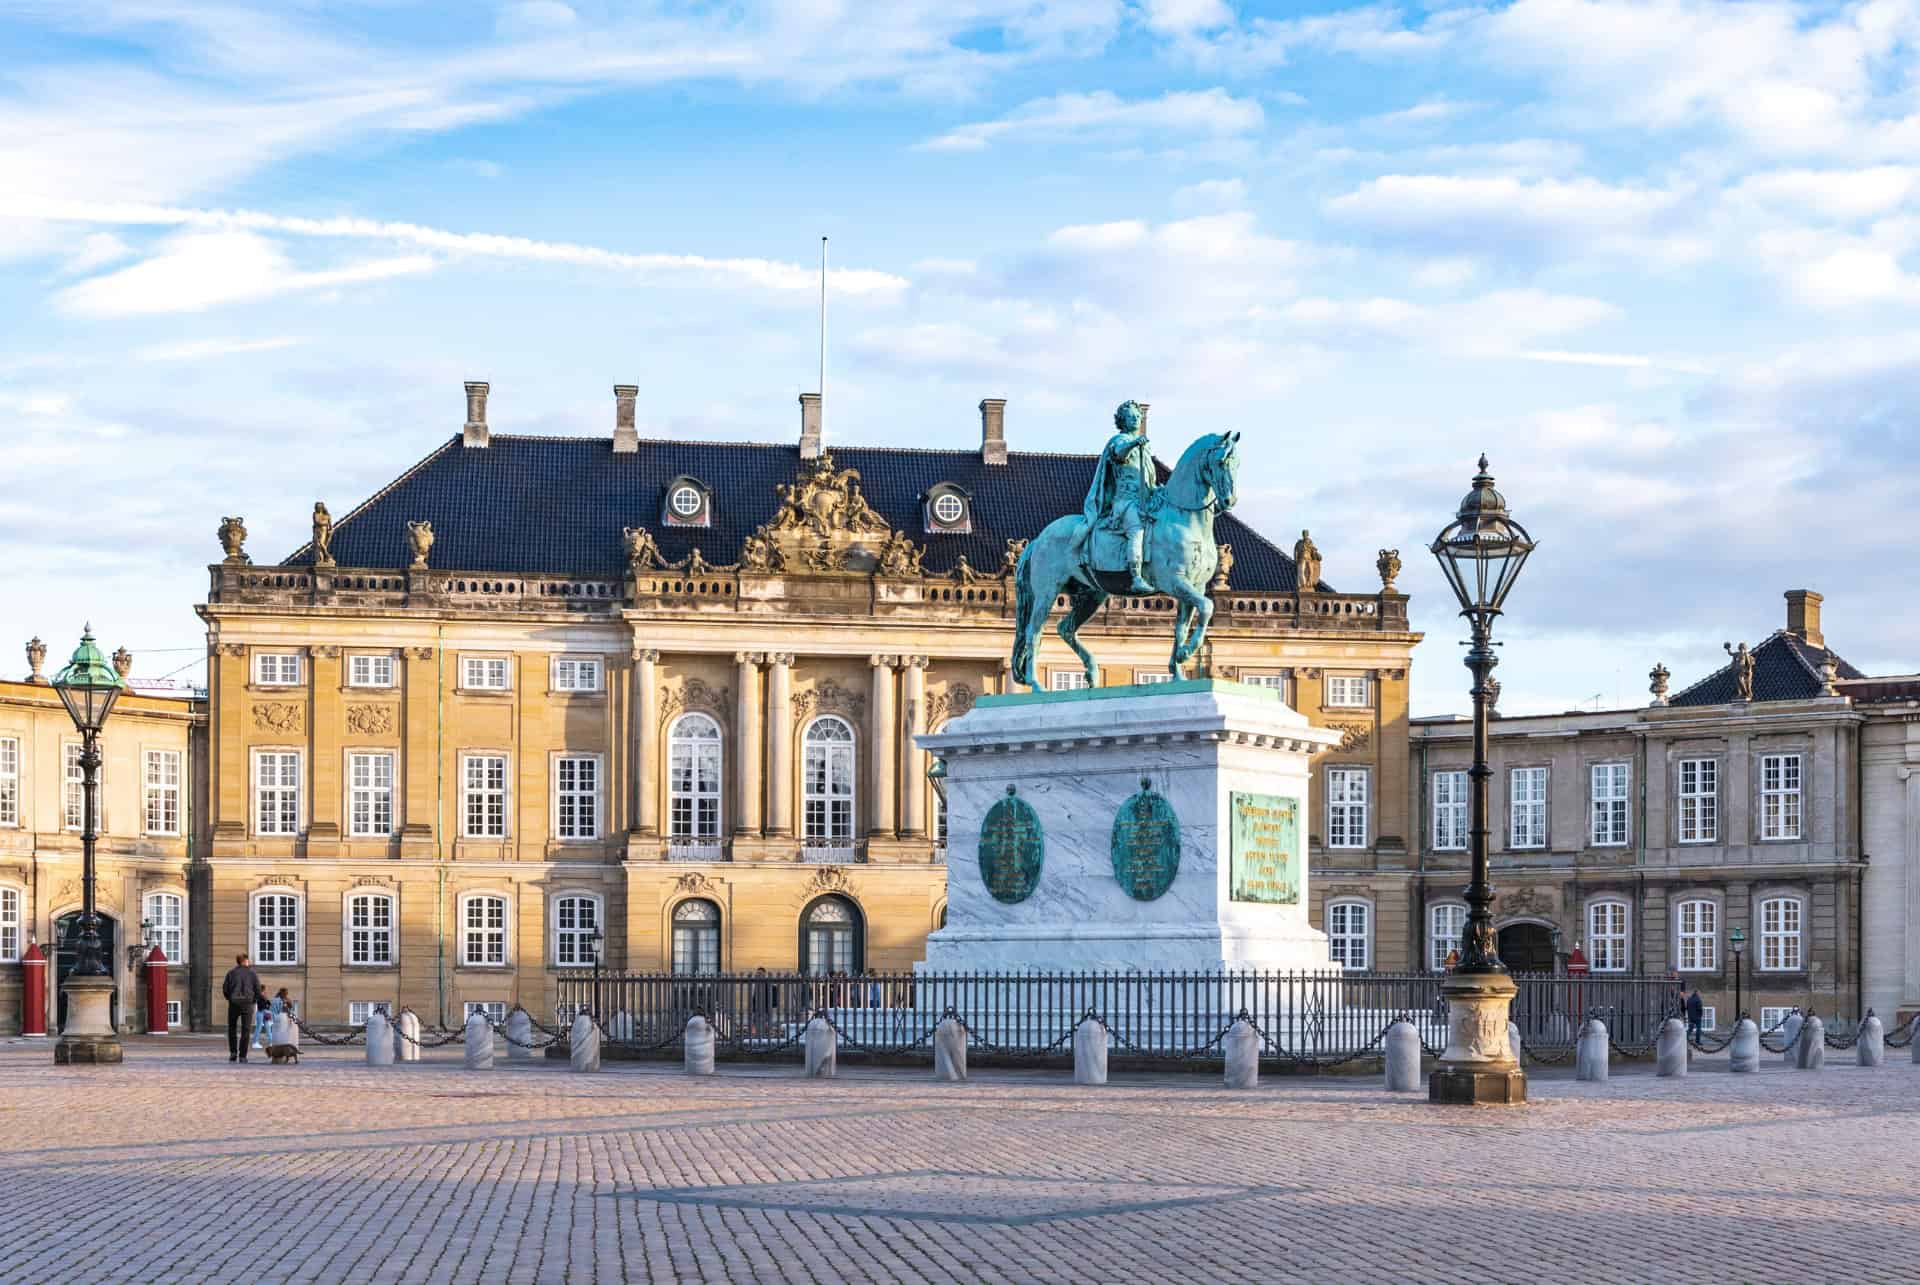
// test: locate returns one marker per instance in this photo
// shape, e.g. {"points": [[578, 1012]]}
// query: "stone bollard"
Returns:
{"points": [[519, 1035], [282, 1031], [1744, 1052], [1243, 1055], [1914, 1050], [1871, 1049], [379, 1039], [1403, 1058], [823, 1048], [584, 1044], [406, 1041], [699, 1046], [1590, 1058], [1790, 1035], [950, 1050], [1671, 1053], [479, 1035], [1811, 1055], [1090, 1052], [1513, 1041]]}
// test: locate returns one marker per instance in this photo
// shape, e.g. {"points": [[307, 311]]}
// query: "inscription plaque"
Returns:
{"points": [[1146, 844], [1264, 854], [1011, 849]]}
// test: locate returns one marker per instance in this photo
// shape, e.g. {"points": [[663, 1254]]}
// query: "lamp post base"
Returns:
{"points": [[1479, 1065], [88, 1037]]}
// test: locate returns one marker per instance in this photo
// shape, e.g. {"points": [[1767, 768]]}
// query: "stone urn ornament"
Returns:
{"points": [[123, 663], [421, 536], [233, 539], [1388, 564], [36, 657]]}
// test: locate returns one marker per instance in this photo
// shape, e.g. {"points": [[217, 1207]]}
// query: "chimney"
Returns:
{"points": [[809, 426], [475, 432], [993, 430], [1803, 615], [626, 438]]}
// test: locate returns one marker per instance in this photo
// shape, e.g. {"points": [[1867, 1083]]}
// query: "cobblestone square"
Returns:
{"points": [[179, 1166]]}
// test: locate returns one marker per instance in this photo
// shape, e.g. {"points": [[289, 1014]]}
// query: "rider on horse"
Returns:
{"points": [[1122, 482]]}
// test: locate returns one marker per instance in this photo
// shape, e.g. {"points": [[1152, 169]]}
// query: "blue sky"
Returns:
{"points": [[1660, 261]]}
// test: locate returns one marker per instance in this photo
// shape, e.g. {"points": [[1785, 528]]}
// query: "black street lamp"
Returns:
{"points": [[88, 687], [1481, 551], [1737, 938], [594, 941]]}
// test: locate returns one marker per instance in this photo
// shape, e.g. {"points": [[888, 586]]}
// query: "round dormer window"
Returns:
{"points": [[947, 509], [685, 501]]}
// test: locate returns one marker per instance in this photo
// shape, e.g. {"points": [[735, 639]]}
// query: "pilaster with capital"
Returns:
{"points": [[1910, 774], [780, 744], [227, 683], [748, 743], [646, 741], [323, 722], [882, 751], [913, 776], [422, 679]]}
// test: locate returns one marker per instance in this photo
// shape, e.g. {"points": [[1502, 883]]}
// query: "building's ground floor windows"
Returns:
{"points": [[359, 1010], [495, 1009]]}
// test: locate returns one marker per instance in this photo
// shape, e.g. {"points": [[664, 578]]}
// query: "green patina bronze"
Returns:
{"points": [[1012, 846], [1146, 844], [1265, 858]]}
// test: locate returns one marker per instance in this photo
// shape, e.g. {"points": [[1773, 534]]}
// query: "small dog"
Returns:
{"points": [[280, 1054]]}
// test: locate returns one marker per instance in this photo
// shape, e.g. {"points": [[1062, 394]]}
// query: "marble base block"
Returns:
{"points": [[408, 1024], [1089, 1053], [699, 1046], [583, 1044], [281, 1031], [1590, 1054], [1242, 1045], [949, 1050], [1478, 1065], [1670, 1054], [1871, 1049], [519, 1035], [379, 1035], [1403, 1058], [1811, 1052], [1744, 1053], [88, 1037], [822, 1049], [479, 1043]]}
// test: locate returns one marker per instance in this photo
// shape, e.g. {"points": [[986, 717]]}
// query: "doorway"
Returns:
{"points": [[66, 932], [1527, 948]]}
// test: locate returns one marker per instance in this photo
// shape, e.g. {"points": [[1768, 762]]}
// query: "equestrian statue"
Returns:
{"points": [[1133, 536]]}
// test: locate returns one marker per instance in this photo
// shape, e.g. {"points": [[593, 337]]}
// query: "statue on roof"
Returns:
{"points": [[1742, 669], [643, 553], [322, 535], [1306, 564]]}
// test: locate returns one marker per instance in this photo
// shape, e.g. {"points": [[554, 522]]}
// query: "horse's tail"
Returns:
{"points": [[1024, 629]]}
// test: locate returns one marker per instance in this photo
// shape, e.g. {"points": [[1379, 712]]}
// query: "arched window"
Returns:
{"points": [[832, 938], [1349, 936], [827, 811], [1697, 936], [369, 929], [483, 930], [576, 930], [166, 913], [696, 937], [1780, 934], [1607, 936], [1446, 924], [694, 781], [277, 919]]}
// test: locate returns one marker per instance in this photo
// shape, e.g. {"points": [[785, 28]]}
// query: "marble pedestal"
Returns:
{"points": [[88, 1038], [1478, 1065], [1210, 749]]}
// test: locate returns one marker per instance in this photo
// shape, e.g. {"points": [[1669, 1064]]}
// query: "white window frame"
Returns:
{"points": [[369, 794], [827, 803], [571, 942], [940, 514], [162, 792], [1699, 800], [487, 790], [1278, 681], [13, 922], [1441, 944], [1348, 944], [1348, 691], [171, 938], [485, 945], [361, 926], [696, 810], [1609, 936], [73, 787], [1709, 1019], [359, 1010], [576, 782], [1609, 789], [495, 1009], [698, 934], [1782, 947], [1782, 799], [276, 669], [1527, 807], [485, 674], [1349, 796], [1772, 1015], [176, 1013], [1067, 680], [1452, 809], [10, 781], [1148, 677], [379, 670], [578, 674], [1696, 935], [257, 942], [281, 829], [681, 511]]}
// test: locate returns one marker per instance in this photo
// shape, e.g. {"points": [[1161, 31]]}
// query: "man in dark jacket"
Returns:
{"points": [[242, 989], [1696, 1014]]}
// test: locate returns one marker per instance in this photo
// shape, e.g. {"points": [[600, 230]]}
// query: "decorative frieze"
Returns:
{"points": [[694, 693], [1353, 736], [276, 716], [828, 697], [369, 720]]}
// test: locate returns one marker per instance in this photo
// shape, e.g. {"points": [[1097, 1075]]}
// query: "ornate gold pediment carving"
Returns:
{"points": [[823, 525]]}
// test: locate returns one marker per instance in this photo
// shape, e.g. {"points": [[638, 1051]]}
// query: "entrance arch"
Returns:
{"points": [[1527, 948], [66, 935]]}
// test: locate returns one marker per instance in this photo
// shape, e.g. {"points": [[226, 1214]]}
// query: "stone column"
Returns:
{"points": [[646, 741], [747, 741], [913, 778], [227, 687], [323, 741], [1910, 966], [423, 681], [881, 752], [780, 745]]}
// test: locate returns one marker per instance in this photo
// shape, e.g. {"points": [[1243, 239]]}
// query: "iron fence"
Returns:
{"points": [[1304, 1019]]}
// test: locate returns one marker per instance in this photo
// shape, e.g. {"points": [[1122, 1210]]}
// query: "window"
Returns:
{"points": [[176, 1014], [949, 509], [165, 912], [830, 938], [685, 501], [369, 671], [1066, 680], [1699, 801], [162, 793], [1607, 936], [1447, 925], [1347, 690], [1273, 682], [483, 931], [359, 1010], [1698, 933], [1779, 796], [576, 797], [1347, 935], [1527, 807], [369, 794], [945, 510], [1449, 811], [276, 668], [1609, 804], [576, 923], [1771, 1017], [827, 808], [694, 780], [483, 673], [1346, 807], [1709, 1020], [369, 929], [276, 791], [9, 925], [276, 928], [576, 674], [495, 1010], [73, 787], [696, 937], [1147, 677], [1780, 934], [483, 784], [9, 780]]}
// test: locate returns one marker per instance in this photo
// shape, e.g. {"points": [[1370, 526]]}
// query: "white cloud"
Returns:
{"points": [[1105, 116], [1213, 194], [1617, 361], [1843, 194], [194, 271], [1833, 270], [1446, 273], [1497, 323], [1502, 214], [1372, 31], [197, 349], [1183, 17], [96, 250]]}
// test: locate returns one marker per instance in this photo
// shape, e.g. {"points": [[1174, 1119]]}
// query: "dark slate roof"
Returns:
{"points": [[1786, 667], [556, 505]]}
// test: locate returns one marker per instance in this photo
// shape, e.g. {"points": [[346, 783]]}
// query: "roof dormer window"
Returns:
{"points": [[688, 503], [948, 510]]}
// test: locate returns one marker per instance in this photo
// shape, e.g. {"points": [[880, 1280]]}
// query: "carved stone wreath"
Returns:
{"points": [[694, 881], [1528, 901], [952, 703], [828, 697], [1353, 736], [827, 879], [369, 720], [276, 716], [694, 693]]}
